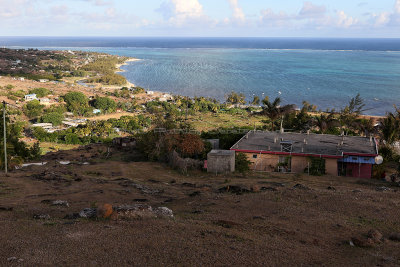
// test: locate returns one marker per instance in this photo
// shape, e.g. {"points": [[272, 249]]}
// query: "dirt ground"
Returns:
{"points": [[261, 219]]}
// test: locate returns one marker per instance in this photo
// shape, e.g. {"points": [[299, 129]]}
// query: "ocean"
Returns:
{"points": [[324, 72]]}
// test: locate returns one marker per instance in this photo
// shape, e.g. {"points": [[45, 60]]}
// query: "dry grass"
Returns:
{"points": [[284, 226]]}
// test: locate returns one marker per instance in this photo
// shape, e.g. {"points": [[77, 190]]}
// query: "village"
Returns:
{"points": [[88, 160]]}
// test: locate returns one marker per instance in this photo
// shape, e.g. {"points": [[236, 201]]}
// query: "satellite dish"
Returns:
{"points": [[378, 160]]}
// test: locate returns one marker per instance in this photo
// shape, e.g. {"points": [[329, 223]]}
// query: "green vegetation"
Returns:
{"points": [[40, 92], [235, 98], [105, 66], [242, 163], [54, 118], [77, 103], [105, 104], [33, 109]]}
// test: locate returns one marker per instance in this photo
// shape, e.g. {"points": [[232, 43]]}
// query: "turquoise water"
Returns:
{"points": [[324, 72], [325, 78]]}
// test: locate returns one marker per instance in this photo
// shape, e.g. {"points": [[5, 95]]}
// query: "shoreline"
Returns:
{"points": [[119, 70]]}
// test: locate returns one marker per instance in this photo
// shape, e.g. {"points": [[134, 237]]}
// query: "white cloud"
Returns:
{"points": [[237, 12], [344, 20], [397, 7], [311, 10]]}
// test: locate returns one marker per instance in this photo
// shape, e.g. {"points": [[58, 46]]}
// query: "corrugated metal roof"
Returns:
{"points": [[355, 159]]}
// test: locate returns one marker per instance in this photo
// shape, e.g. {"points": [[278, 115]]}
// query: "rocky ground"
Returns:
{"points": [[101, 209]]}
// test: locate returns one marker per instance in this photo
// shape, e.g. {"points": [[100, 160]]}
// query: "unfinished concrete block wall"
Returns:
{"points": [[221, 161]]}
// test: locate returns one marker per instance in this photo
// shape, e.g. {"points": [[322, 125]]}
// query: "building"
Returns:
{"points": [[96, 111], [30, 97], [297, 153], [43, 80], [128, 142], [44, 101], [221, 161]]}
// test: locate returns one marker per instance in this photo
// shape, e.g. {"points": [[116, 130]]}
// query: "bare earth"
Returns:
{"points": [[278, 225]]}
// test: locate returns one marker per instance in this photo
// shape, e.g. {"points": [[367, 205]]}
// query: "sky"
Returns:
{"points": [[201, 18]]}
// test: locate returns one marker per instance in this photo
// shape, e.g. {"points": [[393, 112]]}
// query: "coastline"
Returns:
{"points": [[119, 70]]}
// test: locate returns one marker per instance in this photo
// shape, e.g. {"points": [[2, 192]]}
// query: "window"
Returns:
{"points": [[254, 156]]}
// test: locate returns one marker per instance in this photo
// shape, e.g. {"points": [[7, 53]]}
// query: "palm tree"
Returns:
{"points": [[390, 128], [274, 110], [325, 122]]}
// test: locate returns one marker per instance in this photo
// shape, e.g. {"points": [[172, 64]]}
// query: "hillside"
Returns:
{"points": [[257, 219]]}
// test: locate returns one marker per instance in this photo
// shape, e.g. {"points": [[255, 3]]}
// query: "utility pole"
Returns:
{"points": [[5, 137]]}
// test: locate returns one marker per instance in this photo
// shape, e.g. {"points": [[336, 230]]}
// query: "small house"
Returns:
{"points": [[96, 111], [43, 80], [352, 156], [30, 97], [128, 142], [221, 161], [150, 92], [44, 101]]}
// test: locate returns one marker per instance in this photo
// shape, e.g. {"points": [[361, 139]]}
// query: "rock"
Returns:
{"points": [[357, 191], [234, 189], [195, 193], [144, 189], [88, 213], [300, 186], [72, 216], [383, 189], [258, 218], [105, 211], [140, 200], [331, 188], [226, 224], [163, 212], [41, 217], [6, 208], [12, 259], [363, 242], [61, 203], [394, 236], [375, 235], [136, 211]]}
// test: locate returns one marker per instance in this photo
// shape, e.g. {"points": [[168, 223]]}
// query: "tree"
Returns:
{"points": [[390, 127], [349, 114], [77, 102], [105, 104], [33, 109], [54, 118], [40, 92], [256, 101], [325, 122], [274, 110], [235, 98], [242, 163]]}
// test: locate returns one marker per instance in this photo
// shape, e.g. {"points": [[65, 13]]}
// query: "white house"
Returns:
{"points": [[43, 80], [150, 92], [30, 97]]}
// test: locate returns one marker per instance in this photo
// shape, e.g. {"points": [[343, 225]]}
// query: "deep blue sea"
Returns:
{"points": [[325, 72]]}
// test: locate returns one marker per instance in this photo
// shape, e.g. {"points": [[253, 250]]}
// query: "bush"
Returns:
{"points": [[54, 118], [40, 92], [105, 104], [242, 163], [33, 109], [77, 102]]}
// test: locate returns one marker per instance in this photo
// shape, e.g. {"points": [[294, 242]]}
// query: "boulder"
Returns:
{"points": [[41, 217], [89, 213], [61, 203], [105, 211], [163, 212], [394, 236], [375, 235]]}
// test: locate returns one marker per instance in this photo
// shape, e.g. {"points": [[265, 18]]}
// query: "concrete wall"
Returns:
{"points": [[220, 163], [331, 167], [268, 162], [263, 162]]}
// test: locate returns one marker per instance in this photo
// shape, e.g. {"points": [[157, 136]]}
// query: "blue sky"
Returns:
{"points": [[242, 18]]}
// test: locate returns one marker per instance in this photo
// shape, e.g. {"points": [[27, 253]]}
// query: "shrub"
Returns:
{"points": [[242, 163], [40, 92]]}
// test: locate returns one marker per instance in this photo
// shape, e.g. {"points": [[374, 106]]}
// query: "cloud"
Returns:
{"points": [[397, 7], [344, 20], [311, 10], [181, 13], [237, 12]]}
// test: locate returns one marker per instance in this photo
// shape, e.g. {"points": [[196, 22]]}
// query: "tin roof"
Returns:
{"points": [[307, 144]]}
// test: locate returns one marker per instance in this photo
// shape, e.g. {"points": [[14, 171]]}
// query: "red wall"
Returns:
{"points": [[365, 170]]}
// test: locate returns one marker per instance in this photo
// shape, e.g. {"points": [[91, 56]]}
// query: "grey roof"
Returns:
{"points": [[303, 143]]}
